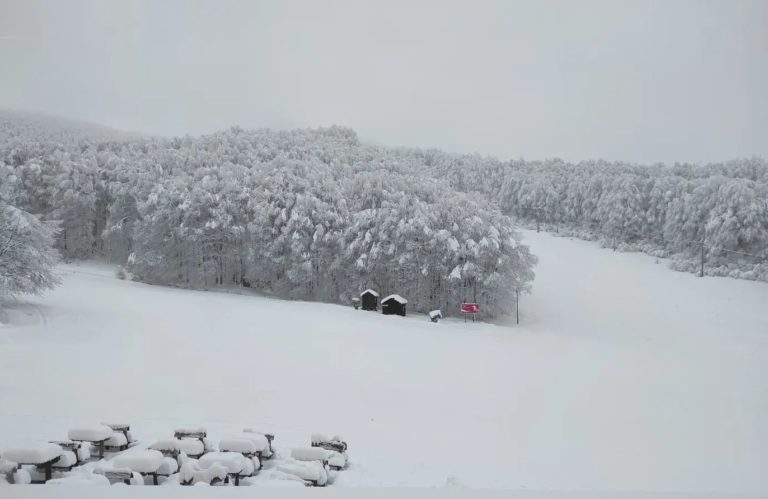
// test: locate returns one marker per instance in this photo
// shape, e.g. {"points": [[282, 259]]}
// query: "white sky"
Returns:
{"points": [[639, 81]]}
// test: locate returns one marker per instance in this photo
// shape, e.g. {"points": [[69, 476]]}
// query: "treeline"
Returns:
{"points": [[675, 211], [314, 214], [305, 214]]}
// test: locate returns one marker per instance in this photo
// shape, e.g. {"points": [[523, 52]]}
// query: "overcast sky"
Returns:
{"points": [[638, 81]]}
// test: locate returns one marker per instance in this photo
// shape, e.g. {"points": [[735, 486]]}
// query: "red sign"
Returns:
{"points": [[470, 308]]}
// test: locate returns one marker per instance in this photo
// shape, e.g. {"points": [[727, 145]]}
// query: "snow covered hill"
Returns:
{"points": [[623, 375]]}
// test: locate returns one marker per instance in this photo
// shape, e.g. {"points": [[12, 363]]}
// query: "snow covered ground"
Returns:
{"points": [[623, 375]]}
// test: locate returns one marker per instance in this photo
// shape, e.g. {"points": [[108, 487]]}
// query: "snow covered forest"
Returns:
{"points": [[316, 215]]}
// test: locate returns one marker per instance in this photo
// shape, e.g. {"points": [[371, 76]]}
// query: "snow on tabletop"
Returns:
{"points": [[247, 443], [66, 460], [32, 453], [397, 298], [435, 313], [192, 447], [232, 461], [117, 440], [309, 454], [143, 461], [90, 434], [238, 445], [369, 291]]}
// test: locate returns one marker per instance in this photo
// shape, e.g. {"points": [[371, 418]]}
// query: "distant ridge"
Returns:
{"points": [[15, 123]]}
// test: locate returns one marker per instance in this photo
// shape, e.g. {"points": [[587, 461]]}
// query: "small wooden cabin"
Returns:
{"points": [[369, 299], [393, 305]]}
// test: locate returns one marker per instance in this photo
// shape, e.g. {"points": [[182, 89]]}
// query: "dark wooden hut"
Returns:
{"points": [[393, 305], [369, 299]]}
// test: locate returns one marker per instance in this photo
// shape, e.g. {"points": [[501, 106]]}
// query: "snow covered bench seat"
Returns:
{"points": [[334, 460], [237, 465], [96, 435], [336, 443], [311, 472], [43, 456], [146, 462]]}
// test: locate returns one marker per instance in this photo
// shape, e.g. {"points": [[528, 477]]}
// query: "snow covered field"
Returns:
{"points": [[623, 375]]}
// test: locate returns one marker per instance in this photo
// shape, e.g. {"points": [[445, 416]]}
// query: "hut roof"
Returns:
{"points": [[397, 298], [374, 293]]}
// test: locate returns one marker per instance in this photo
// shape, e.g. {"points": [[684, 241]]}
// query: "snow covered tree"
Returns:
{"points": [[27, 253]]}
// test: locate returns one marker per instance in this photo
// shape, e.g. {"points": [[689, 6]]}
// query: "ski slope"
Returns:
{"points": [[622, 376]]}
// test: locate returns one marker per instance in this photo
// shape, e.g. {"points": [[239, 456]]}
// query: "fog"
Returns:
{"points": [[637, 81]]}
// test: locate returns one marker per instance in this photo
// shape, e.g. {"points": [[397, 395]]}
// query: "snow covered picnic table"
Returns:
{"points": [[42, 456], [98, 435], [248, 444], [145, 462], [237, 465]]}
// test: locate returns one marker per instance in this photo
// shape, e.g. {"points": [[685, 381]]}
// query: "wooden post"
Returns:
{"points": [[701, 272], [517, 305]]}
